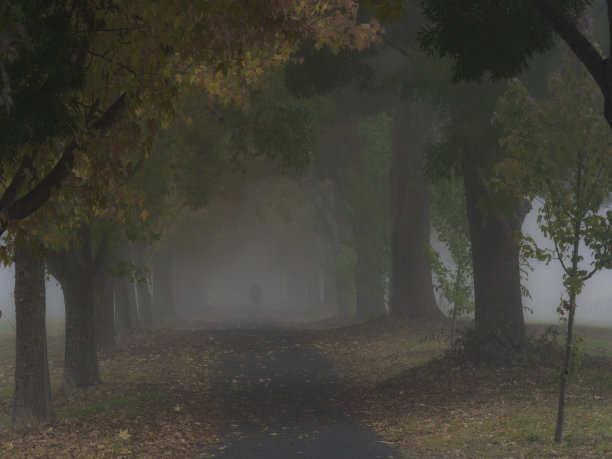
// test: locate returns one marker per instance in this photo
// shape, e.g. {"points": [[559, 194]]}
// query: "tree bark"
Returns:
{"points": [[411, 280], [495, 258], [80, 358], [74, 269], [32, 398]]}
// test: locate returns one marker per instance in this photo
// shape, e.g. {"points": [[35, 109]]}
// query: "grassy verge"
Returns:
{"points": [[438, 409], [155, 402], [372, 352]]}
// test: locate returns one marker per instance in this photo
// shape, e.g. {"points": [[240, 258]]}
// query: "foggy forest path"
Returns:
{"points": [[278, 402]]}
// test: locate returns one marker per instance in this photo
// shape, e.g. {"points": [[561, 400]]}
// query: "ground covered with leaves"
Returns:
{"points": [[157, 400], [450, 408]]}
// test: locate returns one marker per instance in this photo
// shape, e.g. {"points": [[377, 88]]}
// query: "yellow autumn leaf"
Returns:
{"points": [[123, 434], [177, 408], [144, 214]]}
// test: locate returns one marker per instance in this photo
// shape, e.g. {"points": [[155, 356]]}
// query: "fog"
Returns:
{"points": [[55, 302], [545, 286], [291, 278]]}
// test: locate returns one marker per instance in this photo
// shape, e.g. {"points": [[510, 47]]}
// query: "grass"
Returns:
{"points": [[442, 409], [510, 429], [157, 401], [131, 401], [372, 352]]}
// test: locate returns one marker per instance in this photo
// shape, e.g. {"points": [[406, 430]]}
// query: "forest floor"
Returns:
{"points": [[159, 397]]}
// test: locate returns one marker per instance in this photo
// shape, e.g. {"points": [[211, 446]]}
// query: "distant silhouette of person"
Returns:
{"points": [[255, 294]]}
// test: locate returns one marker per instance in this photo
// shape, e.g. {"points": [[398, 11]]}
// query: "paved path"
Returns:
{"points": [[276, 395]]}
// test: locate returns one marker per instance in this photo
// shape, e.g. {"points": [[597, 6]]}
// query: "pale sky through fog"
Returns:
{"points": [[545, 285]]}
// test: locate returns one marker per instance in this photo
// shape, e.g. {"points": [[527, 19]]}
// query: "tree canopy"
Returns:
{"points": [[132, 57]]}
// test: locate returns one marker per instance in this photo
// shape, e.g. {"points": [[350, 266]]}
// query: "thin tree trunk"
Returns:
{"points": [[343, 294], [132, 304], [143, 294], [123, 319], [455, 306], [126, 254], [569, 349], [569, 346], [32, 398], [104, 309], [411, 280], [495, 258]]}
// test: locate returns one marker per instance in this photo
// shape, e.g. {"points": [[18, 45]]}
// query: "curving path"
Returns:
{"points": [[276, 398]]}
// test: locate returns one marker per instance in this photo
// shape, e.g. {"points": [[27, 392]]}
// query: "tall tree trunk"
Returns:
{"points": [[32, 398], [132, 304], [123, 319], [126, 309], [345, 289], [330, 293], [74, 269], [495, 258], [344, 294], [143, 294], [411, 280], [80, 358], [163, 287], [369, 293], [104, 309]]}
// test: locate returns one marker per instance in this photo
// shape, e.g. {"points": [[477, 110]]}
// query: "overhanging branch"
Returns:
{"points": [[37, 196]]}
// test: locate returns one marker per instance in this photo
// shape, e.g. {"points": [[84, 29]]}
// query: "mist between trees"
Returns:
{"points": [[270, 164]]}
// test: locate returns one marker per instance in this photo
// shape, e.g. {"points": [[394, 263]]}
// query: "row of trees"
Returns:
{"points": [[90, 84], [370, 190]]}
